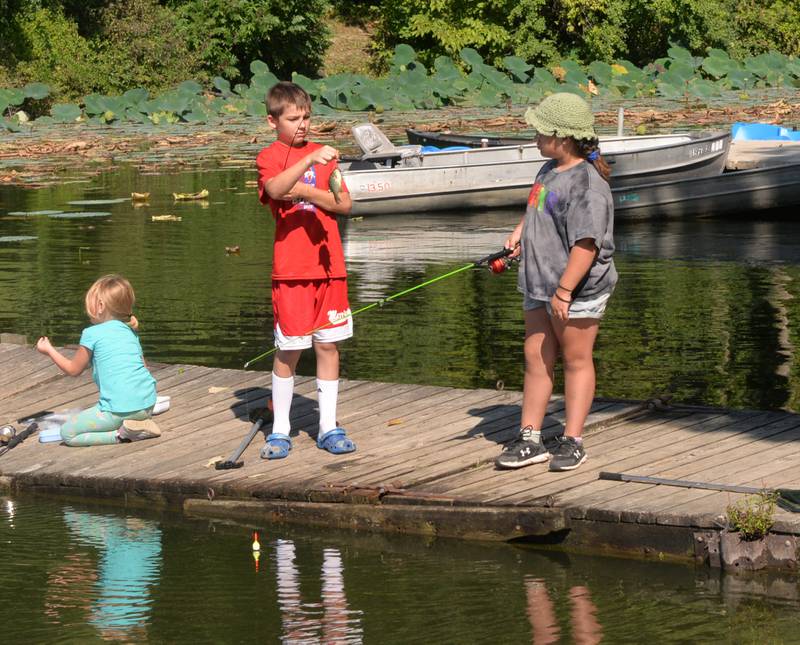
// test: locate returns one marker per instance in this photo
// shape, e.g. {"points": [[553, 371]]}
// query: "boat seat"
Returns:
{"points": [[375, 146]]}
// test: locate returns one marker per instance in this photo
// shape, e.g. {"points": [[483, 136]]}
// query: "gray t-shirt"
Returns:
{"points": [[564, 207]]}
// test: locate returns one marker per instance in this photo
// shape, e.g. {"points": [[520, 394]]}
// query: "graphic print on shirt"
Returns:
{"points": [[310, 178], [543, 199]]}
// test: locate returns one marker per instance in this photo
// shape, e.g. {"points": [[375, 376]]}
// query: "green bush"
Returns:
{"points": [[543, 32], [138, 46], [290, 35], [53, 52]]}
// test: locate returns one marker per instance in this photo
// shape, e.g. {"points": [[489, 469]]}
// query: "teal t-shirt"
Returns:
{"points": [[118, 368]]}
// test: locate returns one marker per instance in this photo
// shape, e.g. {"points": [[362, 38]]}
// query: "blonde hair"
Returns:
{"points": [[117, 296]]}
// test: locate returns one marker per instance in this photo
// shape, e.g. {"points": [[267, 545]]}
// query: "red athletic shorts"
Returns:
{"points": [[303, 309]]}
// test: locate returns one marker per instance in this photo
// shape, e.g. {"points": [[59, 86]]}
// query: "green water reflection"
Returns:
{"points": [[706, 310], [80, 574]]}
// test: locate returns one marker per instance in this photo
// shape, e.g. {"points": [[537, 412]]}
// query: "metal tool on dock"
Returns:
{"points": [[18, 437], [259, 417], [497, 263], [788, 499]]}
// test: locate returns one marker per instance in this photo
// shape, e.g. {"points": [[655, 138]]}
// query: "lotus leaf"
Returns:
{"points": [[717, 53], [471, 58], [241, 89], [255, 93], [680, 54], [10, 125], [335, 98], [403, 55], [33, 213], [97, 202], [36, 91], [94, 104], [135, 115], [135, 97], [600, 72], [175, 102], [65, 112], [669, 91], [488, 97], [11, 96], [255, 108], [633, 73], [681, 70], [757, 66], [140, 197], [223, 85], [259, 67], [16, 238], [518, 67], [79, 215], [702, 88], [446, 69], [309, 85], [542, 75], [264, 81], [191, 87], [718, 67]]}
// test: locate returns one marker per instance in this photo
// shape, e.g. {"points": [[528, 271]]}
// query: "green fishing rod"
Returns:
{"points": [[497, 263]]}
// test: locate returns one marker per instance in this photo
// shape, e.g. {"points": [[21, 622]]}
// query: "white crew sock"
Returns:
{"points": [[328, 393], [282, 391]]}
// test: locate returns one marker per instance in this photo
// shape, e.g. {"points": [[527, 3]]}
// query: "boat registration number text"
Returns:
{"points": [[699, 151], [375, 187]]}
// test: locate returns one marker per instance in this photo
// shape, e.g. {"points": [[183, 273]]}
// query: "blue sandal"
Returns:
{"points": [[336, 442], [277, 447]]}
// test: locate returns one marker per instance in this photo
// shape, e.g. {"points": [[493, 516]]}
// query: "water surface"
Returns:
{"points": [[80, 574]]}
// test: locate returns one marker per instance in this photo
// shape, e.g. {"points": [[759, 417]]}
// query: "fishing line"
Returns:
{"points": [[488, 260]]}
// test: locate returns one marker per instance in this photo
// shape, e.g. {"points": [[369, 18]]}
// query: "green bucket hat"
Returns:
{"points": [[564, 115]]}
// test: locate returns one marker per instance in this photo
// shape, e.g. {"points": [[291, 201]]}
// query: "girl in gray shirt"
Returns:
{"points": [[567, 274]]}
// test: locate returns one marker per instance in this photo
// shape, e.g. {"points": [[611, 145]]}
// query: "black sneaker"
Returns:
{"points": [[567, 455], [522, 451]]}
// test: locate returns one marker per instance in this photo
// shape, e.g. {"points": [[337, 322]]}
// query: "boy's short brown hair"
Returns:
{"points": [[286, 93]]}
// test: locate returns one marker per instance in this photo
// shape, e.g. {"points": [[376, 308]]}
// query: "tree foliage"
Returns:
{"points": [[82, 46], [544, 31]]}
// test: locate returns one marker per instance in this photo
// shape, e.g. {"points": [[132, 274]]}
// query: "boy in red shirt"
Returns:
{"points": [[309, 281]]}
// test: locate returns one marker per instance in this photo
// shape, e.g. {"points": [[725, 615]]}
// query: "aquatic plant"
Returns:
{"points": [[409, 85], [752, 516]]}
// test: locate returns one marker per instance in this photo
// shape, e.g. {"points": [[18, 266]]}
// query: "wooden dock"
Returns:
{"points": [[424, 462]]}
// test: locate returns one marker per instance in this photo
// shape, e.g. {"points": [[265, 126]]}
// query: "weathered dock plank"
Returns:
{"points": [[424, 461]]}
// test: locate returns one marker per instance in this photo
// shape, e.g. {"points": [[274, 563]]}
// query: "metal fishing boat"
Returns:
{"points": [[392, 179]]}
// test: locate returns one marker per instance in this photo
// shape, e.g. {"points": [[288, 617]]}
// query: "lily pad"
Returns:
{"points": [[33, 213], [80, 215], [17, 238], [97, 202]]}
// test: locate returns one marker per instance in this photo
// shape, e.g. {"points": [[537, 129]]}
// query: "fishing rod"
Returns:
{"points": [[496, 262]]}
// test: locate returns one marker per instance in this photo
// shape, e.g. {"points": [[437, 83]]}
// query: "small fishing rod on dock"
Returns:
{"points": [[496, 262]]}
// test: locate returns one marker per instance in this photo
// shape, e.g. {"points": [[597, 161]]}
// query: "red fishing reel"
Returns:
{"points": [[499, 265], [498, 262]]}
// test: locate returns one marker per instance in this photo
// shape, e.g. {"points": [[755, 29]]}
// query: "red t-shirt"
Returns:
{"points": [[307, 241]]}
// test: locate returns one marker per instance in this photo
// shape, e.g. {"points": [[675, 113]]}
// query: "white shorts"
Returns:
{"points": [[327, 335], [594, 308]]}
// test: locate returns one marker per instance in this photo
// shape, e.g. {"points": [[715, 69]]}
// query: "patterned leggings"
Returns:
{"points": [[93, 427]]}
